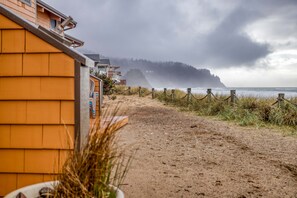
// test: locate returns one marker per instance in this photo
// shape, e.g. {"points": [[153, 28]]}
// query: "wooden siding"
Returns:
{"points": [[36, 108], [97, 89], [26, 11], [43, 18]]}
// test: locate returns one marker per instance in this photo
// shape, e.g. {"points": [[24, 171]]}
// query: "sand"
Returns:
{"points": [[184, 155]]}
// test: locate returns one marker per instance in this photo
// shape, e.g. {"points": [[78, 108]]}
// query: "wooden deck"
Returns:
{"points": [[115, 122]]}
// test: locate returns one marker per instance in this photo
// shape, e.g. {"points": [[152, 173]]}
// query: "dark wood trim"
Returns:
{"points": [[77, 106], [41, 34]]}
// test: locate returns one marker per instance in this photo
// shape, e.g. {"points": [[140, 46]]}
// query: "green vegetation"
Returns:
{"points": [[247, 111]]}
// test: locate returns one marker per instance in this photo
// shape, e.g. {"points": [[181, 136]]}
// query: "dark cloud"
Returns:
{"points": [[229, 46], [197, 32]]}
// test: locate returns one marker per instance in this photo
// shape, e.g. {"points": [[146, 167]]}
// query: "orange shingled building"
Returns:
{"points": [[44, 93]]}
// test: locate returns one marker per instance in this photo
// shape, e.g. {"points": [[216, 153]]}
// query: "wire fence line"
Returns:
{"points": [[232, 99]]}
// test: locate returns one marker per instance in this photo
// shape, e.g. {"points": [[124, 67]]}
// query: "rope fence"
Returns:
{"points": [[190, 97]]}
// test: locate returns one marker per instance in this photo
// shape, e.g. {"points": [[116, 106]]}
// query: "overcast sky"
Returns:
{"points": [[245, 43]]}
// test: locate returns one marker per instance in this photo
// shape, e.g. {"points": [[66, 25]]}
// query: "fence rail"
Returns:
{"points": [[190, 97]]}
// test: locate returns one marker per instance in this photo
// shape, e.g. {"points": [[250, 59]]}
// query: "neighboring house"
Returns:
{"points": [[44, 93], [123, 82], [51, 20], [103, 67], [114, 74]]}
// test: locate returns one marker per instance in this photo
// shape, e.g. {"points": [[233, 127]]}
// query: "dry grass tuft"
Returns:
{"points": [[100, 164]]}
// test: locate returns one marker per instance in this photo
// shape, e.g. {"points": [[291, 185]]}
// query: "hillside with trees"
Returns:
{"points": [[168, 74]]}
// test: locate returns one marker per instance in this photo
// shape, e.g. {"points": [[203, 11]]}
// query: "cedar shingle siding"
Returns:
{"points": [[37, 107]]}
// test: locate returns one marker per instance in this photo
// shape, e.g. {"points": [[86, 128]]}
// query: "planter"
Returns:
{"points": [[33, 190]]}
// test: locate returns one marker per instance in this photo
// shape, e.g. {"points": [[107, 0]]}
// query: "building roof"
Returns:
{"points": [[74, 41], [105, 61], [44, 35], [96, 77], [115, 67], [94, 57], [54, 11]]}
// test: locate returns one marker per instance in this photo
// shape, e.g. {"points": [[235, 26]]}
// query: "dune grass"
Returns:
{"points": [[246, 112], [95, 170]]}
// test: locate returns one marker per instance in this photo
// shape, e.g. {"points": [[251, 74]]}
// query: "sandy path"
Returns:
{"points": [[182, 155]]}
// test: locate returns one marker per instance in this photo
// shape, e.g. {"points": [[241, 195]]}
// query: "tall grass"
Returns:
{"points": [[96, 168], [247, 111]]}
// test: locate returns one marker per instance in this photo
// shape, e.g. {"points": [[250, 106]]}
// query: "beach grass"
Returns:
{"points": [[98, 168], [247, 111]]}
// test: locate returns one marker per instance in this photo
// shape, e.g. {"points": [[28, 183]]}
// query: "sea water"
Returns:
{"points": [[264, 92]]}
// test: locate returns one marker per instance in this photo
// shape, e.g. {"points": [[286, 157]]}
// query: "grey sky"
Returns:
{"points": [[246, 43]]}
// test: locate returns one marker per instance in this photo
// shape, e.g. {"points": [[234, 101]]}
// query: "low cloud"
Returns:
{"points": [[201, 33]]}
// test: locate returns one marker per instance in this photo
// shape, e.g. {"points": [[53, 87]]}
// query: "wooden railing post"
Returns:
{"points": [[153, 93], [189, 94], [129, 90], [172, 95], [233, 97], [280, 99], [208, 95], [139, 91], [165, 93]]}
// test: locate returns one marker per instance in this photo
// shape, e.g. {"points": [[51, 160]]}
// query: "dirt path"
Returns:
{"points": [[182, 155]]}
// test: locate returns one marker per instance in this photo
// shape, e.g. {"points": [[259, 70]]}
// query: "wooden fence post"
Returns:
{"points": [[172, 95], [165, 93], [233, 96], [208, 95], [280, 99], [129, 90], [189, 94], [153, 93], [139, 91]]}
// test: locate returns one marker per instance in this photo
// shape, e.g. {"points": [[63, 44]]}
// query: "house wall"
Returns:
{"points": [[97, 89], [23, 9], [43, 18], [37, 98]]}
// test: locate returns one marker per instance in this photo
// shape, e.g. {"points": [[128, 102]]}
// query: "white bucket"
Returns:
{"points": [[32, 191]]}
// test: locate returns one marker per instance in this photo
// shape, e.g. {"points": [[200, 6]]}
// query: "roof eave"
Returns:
{"points": [[49, 39], [54, 11]]}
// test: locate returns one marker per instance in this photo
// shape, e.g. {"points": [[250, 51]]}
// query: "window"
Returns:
{"points": [[28, 2], [53, 23]]}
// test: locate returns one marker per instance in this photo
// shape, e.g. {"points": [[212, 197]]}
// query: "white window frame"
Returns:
{"points": [[28, 2]]}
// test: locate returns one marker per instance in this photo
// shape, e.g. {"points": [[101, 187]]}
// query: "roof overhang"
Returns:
{"points": [[54, 41], [96, 77], [74, 41], [55, 12]]}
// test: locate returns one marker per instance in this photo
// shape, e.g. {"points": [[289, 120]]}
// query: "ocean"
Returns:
{"points": [[263, 92]]}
